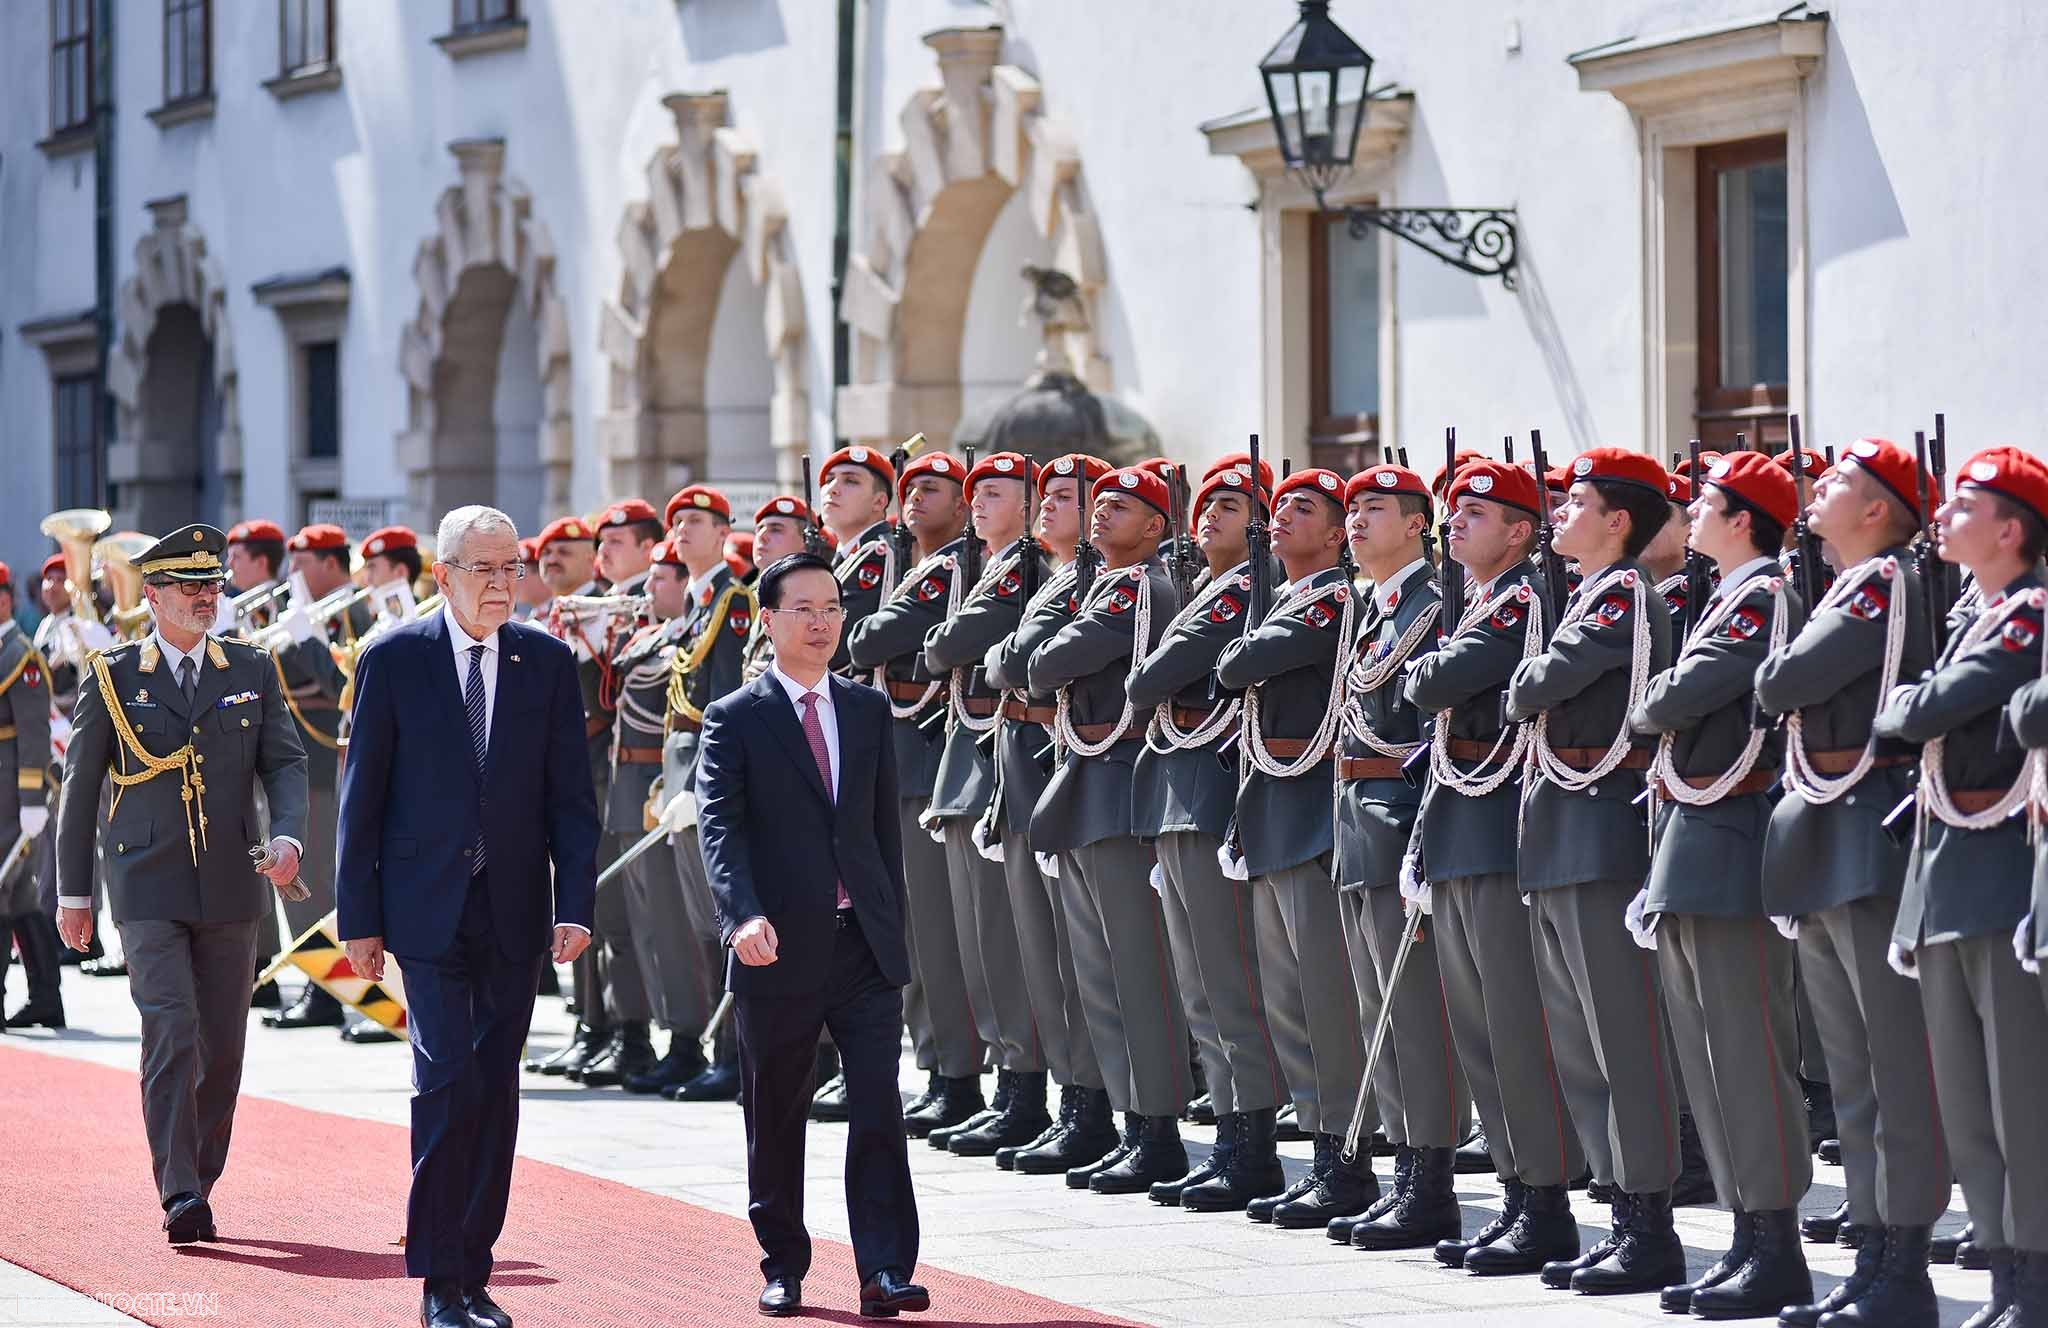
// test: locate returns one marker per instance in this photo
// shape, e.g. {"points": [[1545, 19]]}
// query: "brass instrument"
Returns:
{"points": [[575, 610], [75, 529], [252, 602], [321, 612], [116, 555]]}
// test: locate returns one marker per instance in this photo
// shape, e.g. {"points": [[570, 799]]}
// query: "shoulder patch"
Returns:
{"points": [[1743, 624], [2021, 631], [931, 587], [1675, 599], [31, 674], [869, 574], [738, 618], [1119, 600], [1506, 616], [1319, 615], [1613, 608], [1226, 608], [1869, 602], [1008, 587]]}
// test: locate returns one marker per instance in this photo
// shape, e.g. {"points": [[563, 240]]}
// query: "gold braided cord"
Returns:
{"points": [[190, 562], [291, 703], [185, 761], [687, 665]]}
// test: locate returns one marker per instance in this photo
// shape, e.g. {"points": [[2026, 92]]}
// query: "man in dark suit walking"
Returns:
{"points": [[807, 874], [449, 825]]}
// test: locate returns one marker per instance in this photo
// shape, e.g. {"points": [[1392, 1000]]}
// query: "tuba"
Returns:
{"points": [[76, 529], [116, 555]]}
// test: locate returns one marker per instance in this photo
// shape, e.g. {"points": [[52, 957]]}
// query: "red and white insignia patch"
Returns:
{"points": [[1869, 603], [2020, 633], [1612, 610], [1245, 582], [1506, 616], [1226, 608], [931, 587], [1318, 615], [870, 574], [1744, 624], [1120, 600], [1674, 600], [31, 676], [738, 621], [1009, 585]]}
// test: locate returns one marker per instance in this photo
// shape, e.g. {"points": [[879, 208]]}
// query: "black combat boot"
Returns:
{"points": [[1340, 1228], [1254, 1173], [1821, 1228], [1649, 1256], [1820, 1113], [1261, 1209], [1895, 1292], [1090, 1135], [1695, 1184], [631, 1053], [1159, 1155], [585, 1042], [1773, 1276], [36, 934], [1022, 1119], [1070, 1106], [1228, 1127], [2004, 1277], [1543, 1236], [1868, 1260], [941, 1136], [1079, 1176], [683, 1062], [1426, 1214], [2030, 1291], [957, 1100], [1347, 1186], [1451, 1253], [1830, 1152], [1678, 1299], [1942, 1249], [315, 1008], [720, 1081], [1200, 1110], [1558, 1273], [1474, 1157]]}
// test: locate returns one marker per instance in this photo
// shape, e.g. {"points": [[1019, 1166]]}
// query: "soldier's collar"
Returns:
{"points": [[1388, 596]]}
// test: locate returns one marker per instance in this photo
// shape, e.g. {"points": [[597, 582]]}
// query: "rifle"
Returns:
{"points": [[1178, 547], [814, 538], [970, 557], [1258, 543], [1401, 455], [1508, 451], [1951, 586], [1086, 556], [1450, 574], [900, 538], [1029, 565], [1556, 588], [1805, 545], [1926, 561], [1698, 582]]}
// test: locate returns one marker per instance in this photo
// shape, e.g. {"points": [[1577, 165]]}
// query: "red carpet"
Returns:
{"points": [[312, 1206]]}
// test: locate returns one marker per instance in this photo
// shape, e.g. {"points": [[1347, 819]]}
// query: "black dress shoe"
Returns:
{"points": [[1821, 1228], [367, 1032], [889, 1293], [631, 1053], [483, 1311], [188, 1218], [1199, 1111], [582, 1043], [1830, 1152], [684, 1062], [719, 1083], [313, 1009], [37, 1014], [782, 1297], [442, 1305]]}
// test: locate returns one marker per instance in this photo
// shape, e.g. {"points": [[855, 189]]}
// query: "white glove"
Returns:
{"points": [[1413, 888], [985, 841], [680, 813], [2022, 938], [92, 635], [33, 819], [1903, 963], [294, 623], [1158, 880], [1787, 927], [1048, 866], [1231, 865], [1641, 928]]}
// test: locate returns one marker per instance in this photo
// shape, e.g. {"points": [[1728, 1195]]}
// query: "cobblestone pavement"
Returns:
{"points": [[1124, 1256]]}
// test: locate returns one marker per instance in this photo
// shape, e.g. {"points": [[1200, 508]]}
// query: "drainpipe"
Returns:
{"points": [[103, 233]]}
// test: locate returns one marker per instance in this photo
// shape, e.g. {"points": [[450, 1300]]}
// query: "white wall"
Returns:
{"points": [[739, 380]]}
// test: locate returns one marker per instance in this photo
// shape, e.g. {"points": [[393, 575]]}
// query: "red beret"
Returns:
{"points": [[700, 496], [1498, 482], [322, 536], [1388, 480], [1227, 480], [2010, 473], [1159, 466], [739, 552], [1464, 456], [1894, 468], [259, 530], [997, 466], [1556, 480], [666, 552], [1813, 463], [1139, 483], [782, 505], [858, 455], [1242, 462], [1620, 465], [625, 512], [6, 576], [1090, 469], [942, 464], [1327, 483], [1758, 480], [529, 549], [563, 528], [390, 539], [53, 563], [1680, 484]]}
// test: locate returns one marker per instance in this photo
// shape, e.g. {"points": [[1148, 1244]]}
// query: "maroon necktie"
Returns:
{"points": [[814, 733]]}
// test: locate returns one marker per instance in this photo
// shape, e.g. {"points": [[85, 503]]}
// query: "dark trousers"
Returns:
{"points": [[778, 1047], [469, 1008]]}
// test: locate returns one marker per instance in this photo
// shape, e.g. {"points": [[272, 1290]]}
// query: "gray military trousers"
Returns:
{"points": [[1488, 967], [316, 864], [990, 959], [190, 982], [1048, 967], [1125, 968], [1417, 1086], [1209, 920], [935, 1004], [1310, 997], [619, 992], [1987, 1026], [1728, 988], [679, 969], [1873, 1033], [1602, 1004]]}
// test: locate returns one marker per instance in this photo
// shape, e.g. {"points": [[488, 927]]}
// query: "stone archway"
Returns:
{"points": [[178, 451], [969, 143], [708, 206], [486, 279]]}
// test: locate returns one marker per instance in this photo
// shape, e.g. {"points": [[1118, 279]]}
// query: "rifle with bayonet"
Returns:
{"points": [[1937, 458], [970, 556], [1812, 574], [1556, 586], [900, 539], [814, 533], [1926, 556], [1699, 577], [1258, 543], [1029, 564], [1179, 548], [1450, 575]]}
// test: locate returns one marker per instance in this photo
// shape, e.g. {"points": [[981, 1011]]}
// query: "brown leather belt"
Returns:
{"points": [[1972, 801], [907, 692], [639, 756], [981, 707], [1585, 758], [6, 732], [1191, 717], [1367, 767], [1030, 714], [1094, 733], [1286, 749], [1756, 781], [681, 723], [596, 724], [1841, 762], [1472, 749]]}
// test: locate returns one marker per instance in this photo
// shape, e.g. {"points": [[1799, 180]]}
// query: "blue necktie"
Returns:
{"points": [[473, 700]]}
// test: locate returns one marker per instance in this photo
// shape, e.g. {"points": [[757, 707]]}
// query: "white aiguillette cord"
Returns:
{"points": [[1665, 780], [1543, 759], [1163, 729], [1935, 798], [1807, 782], [1441, 767]]}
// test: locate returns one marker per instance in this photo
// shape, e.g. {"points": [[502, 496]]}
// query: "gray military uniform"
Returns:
{"points": [[1087, 817], [313, 686], [710, 643], [1284, 829], [24, 761], [62, 681], [178, 875], [1831, 865]]}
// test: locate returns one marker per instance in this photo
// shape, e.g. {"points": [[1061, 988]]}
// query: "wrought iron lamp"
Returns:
{"points": [[1316, 81]]}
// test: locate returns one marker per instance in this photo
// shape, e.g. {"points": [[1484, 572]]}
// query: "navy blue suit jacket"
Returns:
{"points": [[775, 843], [411, 802]]}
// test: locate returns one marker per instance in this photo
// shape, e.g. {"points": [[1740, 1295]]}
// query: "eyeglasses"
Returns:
{"points": [[507, 572], [190, 589], [825, 617]]}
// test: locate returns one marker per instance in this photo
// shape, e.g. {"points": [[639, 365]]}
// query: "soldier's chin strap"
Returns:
{"points": [[185, 761]]}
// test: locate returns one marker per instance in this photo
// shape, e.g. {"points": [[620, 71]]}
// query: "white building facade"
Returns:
{"points": [[374, 258]]}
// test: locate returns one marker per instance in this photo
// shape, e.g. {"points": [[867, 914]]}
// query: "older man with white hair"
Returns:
{"points": [[451, 822]]}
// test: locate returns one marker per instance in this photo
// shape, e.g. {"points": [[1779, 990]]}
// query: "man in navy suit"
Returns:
{"points": [[806, 869], [450, 822]]}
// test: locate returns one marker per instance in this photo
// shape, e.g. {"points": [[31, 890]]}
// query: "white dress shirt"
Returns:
{"points": [[828, 719], [461, 641], [1732, 582], [1395, 583]]}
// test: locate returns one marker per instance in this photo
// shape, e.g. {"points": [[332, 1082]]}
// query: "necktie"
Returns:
{"points": [[473, 701], [814, 733], [188, 680]]}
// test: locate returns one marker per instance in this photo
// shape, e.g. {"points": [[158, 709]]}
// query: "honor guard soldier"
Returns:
{"points": [[1667, 561], [1086, 818], [1967, 881], [1832, 876], [718, 619], [1085, 1128], [1186, 791], [187, 726], [783, 525], [1283, 840], [889, 643], [25, 817], [1599, 990], [1462, 867], [1727, 973], [990, 608], [1423, 1106], [856, 486], [61, 641]]}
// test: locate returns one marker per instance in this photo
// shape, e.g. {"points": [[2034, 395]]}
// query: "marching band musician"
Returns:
{"points": [[60, 640], [25, 817]]}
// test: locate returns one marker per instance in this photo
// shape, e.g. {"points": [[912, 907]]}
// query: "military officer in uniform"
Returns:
{"points": [[1086, 818], [1727, 973], [1967, 881], [889, 643], [1832, 877], [25, 817], [187, 725], [1085, 1128], [1186, 791], [1423, 1106], [783, 525]]}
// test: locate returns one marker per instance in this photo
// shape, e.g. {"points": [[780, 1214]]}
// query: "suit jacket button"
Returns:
{"points": [[466, 852]]}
